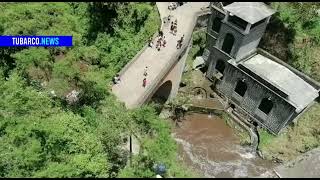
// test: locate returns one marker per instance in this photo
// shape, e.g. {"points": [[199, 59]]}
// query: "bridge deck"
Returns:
{"points": [[130, 89]]}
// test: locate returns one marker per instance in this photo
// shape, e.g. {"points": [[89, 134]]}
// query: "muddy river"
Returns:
{"points": [[211, 148]]}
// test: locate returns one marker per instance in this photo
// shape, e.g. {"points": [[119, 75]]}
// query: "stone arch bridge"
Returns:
{"points": [[165, 67]]}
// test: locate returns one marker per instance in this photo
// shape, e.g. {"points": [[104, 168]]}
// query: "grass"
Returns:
{"points": [[299, 138], [265, 138], [198, 45]]}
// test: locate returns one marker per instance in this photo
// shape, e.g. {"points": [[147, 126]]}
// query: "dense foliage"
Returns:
{"points": [[294, 35], [42, 135]]}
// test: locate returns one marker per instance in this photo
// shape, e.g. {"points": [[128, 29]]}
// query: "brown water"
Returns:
{"points": [[209, 146]]}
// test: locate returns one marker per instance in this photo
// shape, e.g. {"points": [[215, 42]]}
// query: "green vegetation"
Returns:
{"points": [[294, 36], [41, 134], [160, 149], [180, 101], [298, 138], [198, 45]]}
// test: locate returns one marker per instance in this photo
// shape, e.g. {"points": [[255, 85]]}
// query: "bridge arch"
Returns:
{"points": [[163, 92]]}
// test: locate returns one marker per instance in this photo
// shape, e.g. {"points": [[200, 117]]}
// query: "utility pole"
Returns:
{"points": [[130, 158]]}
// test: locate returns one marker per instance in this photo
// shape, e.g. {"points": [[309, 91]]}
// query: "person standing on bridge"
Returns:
{"points": [[181, 41], [150, 43], [175, 30], [144, 82], [172, 27], [164, 42], [116, 79], [158, 46], [145, 73], [160, 33], [182, 38], [169, 18], [178, 44]]}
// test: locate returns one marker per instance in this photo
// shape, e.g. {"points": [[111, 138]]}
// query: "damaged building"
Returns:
{"points": [[260, 86]]}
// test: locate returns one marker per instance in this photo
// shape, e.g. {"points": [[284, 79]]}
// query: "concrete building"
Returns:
{"points": [[258, 85]]}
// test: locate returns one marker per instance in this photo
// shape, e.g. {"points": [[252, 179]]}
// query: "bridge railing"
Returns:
{"points": [[173, 60]]}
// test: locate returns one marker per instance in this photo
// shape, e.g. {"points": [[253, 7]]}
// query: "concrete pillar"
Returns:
{"points": [[247, 28], [227, 16], [268, 19], [210, 68]]}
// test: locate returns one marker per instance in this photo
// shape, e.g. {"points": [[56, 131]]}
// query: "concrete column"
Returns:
{"points": [[247, 28], [268, 19], [210, 68], [227, 16]]}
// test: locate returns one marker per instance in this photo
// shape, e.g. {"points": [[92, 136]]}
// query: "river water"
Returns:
{"points": [[211, 148]]}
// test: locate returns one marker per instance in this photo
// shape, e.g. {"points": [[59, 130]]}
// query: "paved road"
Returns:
{"points": [[130, 89]]}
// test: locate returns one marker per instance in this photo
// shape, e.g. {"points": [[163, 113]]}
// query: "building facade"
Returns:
{"points": [[266, 90]]}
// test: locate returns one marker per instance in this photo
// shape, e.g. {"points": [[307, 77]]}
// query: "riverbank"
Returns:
{"points": [[295, 140], [208, 146]]}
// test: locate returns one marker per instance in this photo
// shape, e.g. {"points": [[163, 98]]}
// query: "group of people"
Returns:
{"points": [[174, 5], [161, 41], [145, 74], [116, 79], [174, 27]]}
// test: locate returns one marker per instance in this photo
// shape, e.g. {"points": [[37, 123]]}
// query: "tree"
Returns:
{"points": [[34, 57], [38, 139], [43, 137]]}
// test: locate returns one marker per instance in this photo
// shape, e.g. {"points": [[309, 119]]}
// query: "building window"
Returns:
{"points": [[241, 87], [228, 43], [266, 105], [216, 24], [220, 66]]}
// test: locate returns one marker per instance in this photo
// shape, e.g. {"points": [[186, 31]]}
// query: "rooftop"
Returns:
{"points": [[300, 93], [251, 12]]}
